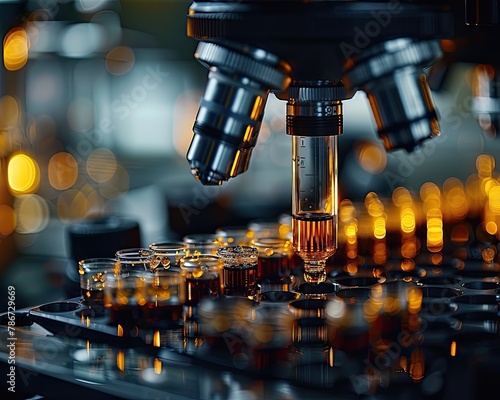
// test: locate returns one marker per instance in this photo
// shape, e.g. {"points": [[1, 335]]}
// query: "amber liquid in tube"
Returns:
{"points": [[314, 238]]}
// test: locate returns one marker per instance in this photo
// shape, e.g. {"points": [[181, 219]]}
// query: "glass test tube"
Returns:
{"points": [[314, 119], [314, 203]]}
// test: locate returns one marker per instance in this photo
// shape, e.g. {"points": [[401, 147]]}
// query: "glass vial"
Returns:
{"points": [[239, 270], [93, 273], [274, 264]]}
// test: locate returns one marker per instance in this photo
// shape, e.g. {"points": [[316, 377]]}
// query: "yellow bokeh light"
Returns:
{"points": [[158, 366], [429, 189], [371, 309], [494, 199], [456, 197], [485, 164], [15, 49], [32, 213], [23, 174], [120, 360], [453, 349], [401, 196], [407, 265], [452, 184], [101, 165], [487, 184], [434, 230], [351, 231], [491, 227], [379, 230], [375, 208], [9, 112], [408, 223], [372, 157], [351, 268], [62, 171], [414, 297], [347, 211], [7, 220]]}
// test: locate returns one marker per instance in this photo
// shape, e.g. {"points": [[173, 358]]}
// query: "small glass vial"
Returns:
{"points": [[202, 277], [164, 299], [125, 298], [93, 273], [239, 270], [261, 228], [233, 236], [202, 282], [167, 254], [134, 260], [202, 243], [274, 259]]}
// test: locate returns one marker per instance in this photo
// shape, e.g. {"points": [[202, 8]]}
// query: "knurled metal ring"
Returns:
{"points": [[271, 76], [327, 91], [382, 60]]}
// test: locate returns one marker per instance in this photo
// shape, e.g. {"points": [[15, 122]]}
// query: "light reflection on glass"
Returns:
{"points": [[453, 349]]}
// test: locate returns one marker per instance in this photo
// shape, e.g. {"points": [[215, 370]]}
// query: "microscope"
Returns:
{"points": [[315, 55]]}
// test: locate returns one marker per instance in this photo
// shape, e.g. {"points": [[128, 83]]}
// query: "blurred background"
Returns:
{"points": [[97, 104]]}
